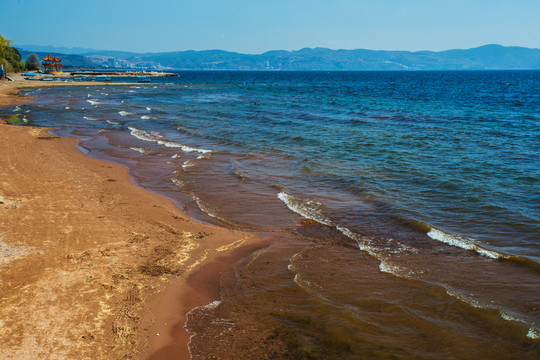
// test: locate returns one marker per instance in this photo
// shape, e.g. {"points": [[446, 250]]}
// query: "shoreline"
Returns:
{"points": [[93, 255], [9, 90]]}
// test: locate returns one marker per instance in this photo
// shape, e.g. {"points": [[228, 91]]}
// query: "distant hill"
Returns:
{"points": [[488, 57]]}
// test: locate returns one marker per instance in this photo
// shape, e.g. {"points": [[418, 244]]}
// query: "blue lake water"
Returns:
{"points": [[433, 176]]}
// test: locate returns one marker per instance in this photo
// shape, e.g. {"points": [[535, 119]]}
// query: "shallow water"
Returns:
{"points": [[421, 190]]}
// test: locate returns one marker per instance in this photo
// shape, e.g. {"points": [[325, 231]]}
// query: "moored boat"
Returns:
{"points": [[102, 78]]}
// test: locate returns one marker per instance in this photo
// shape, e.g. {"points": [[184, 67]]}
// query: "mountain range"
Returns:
{"points": [[487, 57]]}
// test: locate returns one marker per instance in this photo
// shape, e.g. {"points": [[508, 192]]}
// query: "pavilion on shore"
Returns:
{"points": [[52, 65]]}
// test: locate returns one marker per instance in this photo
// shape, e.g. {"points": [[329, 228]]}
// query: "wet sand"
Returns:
{"points": [[92, 266]]}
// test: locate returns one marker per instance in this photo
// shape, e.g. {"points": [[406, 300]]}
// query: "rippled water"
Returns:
{"points": [[404, 207]]}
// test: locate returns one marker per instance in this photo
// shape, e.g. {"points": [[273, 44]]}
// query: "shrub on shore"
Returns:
{"points": [[9, 56], [33, 62]]}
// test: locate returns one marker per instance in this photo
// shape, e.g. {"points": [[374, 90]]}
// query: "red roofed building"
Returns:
{"points": [[52, 65]]}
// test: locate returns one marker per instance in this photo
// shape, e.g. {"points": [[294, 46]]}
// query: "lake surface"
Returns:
{"points": [[403, 207]]}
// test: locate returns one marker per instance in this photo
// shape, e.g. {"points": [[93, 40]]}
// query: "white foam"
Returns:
{"points": [[176, 156], [93, 102], [125, 113], [146, 117], [113, 122], [213, 305], [187, 164], [363, 242], [17, 109], [204, 207], [185, 148], [389, 268], [152, 136], [156, 137], [462, 242], [507, 317], [148, 108], [533, 334], [178, 182], [141, 150], [67, 108], [467, 299], [90, 118], [309, 209], [293, 258], [171, 144]]}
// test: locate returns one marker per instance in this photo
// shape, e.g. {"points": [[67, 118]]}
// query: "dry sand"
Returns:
{"points": [[92, 266]]}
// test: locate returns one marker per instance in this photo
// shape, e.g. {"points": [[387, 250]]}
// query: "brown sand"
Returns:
{"points": [[91, 266]]}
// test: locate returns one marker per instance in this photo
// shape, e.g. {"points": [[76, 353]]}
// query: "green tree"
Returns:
{"points": [[33, 62], [4, 45], [9, 56]]}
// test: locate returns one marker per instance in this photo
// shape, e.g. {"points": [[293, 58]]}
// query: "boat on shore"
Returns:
{"points": [[102, 78], [82, 77], [29, 75], [47, 77]]}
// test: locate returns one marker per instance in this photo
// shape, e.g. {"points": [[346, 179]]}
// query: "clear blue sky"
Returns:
{"points": [[256, 26]]}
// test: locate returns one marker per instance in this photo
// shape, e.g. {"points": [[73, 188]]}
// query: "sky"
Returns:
{"points": [[256, 26]]}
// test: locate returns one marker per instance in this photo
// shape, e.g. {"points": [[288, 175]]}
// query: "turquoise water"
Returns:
{"points": [[434, 176]]}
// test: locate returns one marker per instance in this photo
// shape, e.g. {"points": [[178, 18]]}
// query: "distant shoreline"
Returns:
{"points": [[487, 57], [121, 73]]}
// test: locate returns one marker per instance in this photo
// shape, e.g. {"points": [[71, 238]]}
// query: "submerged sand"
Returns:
{"points": [[92, 266]]}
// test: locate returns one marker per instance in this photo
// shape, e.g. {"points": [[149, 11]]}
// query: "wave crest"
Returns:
{"points": [[464, 243], [156, 137], [310, 209]]}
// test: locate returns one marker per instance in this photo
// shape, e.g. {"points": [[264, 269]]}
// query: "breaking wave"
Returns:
{"points": [[156, 137], [309, 209], [93, 102], [464, 243], [141, 150], [533, 333]]}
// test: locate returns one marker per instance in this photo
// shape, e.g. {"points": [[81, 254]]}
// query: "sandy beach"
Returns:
{"points": [[92, 266]]}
